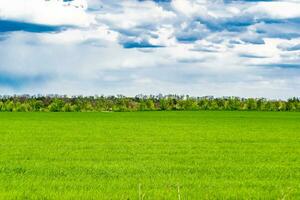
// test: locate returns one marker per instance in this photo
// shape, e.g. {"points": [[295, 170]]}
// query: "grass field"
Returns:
{"points": [[150, 155]]}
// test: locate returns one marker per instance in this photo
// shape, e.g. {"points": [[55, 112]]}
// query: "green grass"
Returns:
{"points": [[207, 155]]}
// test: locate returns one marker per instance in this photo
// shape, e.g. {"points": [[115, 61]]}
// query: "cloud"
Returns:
{"points": [[289, 47], [200, 47], [46, 12], [275, 10]]}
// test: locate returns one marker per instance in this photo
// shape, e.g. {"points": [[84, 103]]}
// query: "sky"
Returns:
{"points": [[245, 48]]}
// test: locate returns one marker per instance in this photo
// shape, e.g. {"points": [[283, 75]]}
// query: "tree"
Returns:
{"points": [[56, 105]]}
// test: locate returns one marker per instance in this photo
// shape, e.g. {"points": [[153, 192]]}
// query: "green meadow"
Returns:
{"points": [[150, 155]]}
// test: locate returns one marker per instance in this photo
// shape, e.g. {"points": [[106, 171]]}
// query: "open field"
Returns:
{"points": [[206, 155]]}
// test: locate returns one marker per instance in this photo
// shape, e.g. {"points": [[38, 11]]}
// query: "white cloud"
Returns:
{"points": [[96, 36], [49, 12], [208, 47], [133, 14], [275, 10]]}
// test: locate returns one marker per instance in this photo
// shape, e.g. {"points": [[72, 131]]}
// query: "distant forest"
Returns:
{"points": [[120, 103]]}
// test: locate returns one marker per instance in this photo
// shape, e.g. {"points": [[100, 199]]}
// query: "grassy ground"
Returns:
{"points": [[206, 155]]}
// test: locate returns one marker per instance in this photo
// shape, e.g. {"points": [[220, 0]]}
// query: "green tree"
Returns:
{"points": [[56, 105]]}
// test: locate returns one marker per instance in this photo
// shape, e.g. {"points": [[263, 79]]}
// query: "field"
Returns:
{"points": [[150, 155]]}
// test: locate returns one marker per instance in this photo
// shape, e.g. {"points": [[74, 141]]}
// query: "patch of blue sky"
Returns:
{"points": [[143, 44], [19, 81], [282, 65], [10, 26]]}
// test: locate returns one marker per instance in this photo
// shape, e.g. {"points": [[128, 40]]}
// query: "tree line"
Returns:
{"points": [[120, 103]]}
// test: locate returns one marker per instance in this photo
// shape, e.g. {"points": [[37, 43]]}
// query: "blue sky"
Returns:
{"points": [[247, 48]]}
